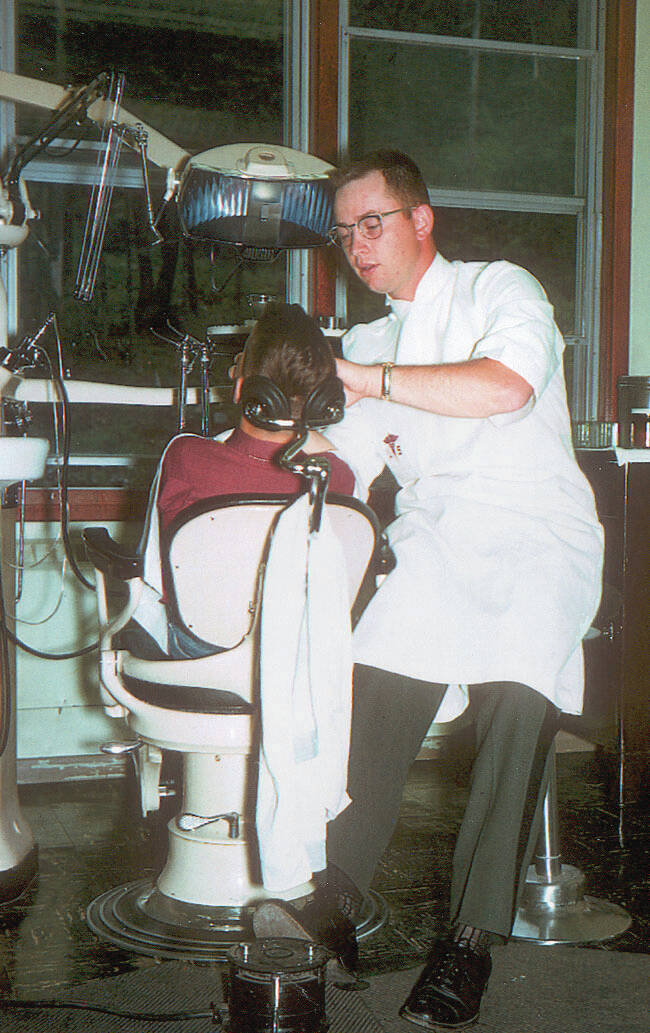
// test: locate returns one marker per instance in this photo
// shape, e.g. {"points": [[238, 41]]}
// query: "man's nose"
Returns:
{"points": [[359, 243]]}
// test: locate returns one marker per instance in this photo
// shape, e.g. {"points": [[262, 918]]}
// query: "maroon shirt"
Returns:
{"points": [[196, 468]]}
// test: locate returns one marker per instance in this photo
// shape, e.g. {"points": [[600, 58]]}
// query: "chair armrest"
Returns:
{"points": [[112, 559]]}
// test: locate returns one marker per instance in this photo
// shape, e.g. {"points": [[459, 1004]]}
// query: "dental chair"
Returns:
{"points": [[206, 709]]}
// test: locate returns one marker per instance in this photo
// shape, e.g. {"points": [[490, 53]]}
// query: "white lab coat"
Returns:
{"points": [[498, 546]]}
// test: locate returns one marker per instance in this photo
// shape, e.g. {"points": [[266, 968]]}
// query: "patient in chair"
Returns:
{"points": [[286, 346]]}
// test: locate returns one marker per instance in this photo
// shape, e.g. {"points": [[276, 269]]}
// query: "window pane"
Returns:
{"points": [[138, 286], [481, 122], [201, 74], [113, 337], [552, 22], [543, 244], [138, 432]]}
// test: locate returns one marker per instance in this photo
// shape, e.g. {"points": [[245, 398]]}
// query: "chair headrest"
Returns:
{"points": [[325, 404], [265, 405], [263, 401]]}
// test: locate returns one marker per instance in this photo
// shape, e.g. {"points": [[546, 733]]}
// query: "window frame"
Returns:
{"points": [[586, 206]]}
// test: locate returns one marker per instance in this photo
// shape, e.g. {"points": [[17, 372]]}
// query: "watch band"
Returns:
{"points": [[387, 369]]}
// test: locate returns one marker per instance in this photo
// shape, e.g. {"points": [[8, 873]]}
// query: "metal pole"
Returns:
{"points": [[205, 390], [554, 907]]}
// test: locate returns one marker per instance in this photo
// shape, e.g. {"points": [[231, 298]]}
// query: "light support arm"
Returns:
{"points": [[162, 151], [73, 112]]}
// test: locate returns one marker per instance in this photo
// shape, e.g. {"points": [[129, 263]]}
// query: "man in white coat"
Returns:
{"points": [[459, 390]]}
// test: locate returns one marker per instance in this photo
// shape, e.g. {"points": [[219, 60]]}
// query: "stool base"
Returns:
{"points": [[558, 911]]}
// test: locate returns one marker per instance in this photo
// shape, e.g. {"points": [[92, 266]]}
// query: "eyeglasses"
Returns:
{"points": [[369, 226]]}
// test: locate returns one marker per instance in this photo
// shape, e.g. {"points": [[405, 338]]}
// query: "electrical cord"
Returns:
{"points": [[49, 656], [183, 1016], [56, 376], [6, 669], [57, 379]]}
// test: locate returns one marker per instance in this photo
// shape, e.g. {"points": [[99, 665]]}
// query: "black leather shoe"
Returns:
{"points": [[319, 920], [449, 989]]}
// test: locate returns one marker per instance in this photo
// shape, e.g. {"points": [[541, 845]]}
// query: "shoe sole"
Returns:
{"points": [[426, 1024], [270, 920]]}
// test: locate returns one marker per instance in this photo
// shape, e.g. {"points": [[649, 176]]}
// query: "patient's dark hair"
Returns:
{"points": [[287, 346], [403, 177]]}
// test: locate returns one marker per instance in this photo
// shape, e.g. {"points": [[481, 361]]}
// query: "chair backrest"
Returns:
{"points": [[214, 558]]}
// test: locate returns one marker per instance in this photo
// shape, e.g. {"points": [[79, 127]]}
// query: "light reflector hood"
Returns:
{"points": [[256, 196]]}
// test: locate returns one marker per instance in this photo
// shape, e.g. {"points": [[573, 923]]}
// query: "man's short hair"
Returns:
{"points": [[403, 177], [287, 346]]}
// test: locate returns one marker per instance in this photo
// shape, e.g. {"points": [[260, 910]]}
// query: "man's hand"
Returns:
{"points": [[359, 381]]}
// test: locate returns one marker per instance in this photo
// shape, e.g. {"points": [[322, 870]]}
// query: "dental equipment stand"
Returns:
{"points": [[21, 459], [18, 852], [189, 348]]}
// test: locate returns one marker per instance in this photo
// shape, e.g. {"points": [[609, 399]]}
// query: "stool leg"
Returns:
{"points": [[555, 908]]}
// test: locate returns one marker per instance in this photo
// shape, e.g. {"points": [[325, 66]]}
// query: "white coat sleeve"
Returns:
{"points": [[518, 329], [356, 442]]}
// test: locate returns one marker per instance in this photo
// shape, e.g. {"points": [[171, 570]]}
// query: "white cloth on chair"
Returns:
{"points": [[305, 697]]}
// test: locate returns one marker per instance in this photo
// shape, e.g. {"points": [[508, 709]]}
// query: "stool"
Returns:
{"points": [[555, 908]]}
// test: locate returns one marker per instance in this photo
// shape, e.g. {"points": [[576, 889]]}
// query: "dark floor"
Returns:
{"points": [[91, 838]]}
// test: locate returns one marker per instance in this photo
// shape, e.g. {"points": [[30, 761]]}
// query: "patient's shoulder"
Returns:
{"points": [[187, 457], [185, 446], [341, 477]]}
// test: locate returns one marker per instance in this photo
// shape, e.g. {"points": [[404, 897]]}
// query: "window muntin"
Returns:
{"points": [[484, 121], [555, 22]]}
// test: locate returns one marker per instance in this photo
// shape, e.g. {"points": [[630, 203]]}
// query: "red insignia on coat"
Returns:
{"points": [[391, 441]]}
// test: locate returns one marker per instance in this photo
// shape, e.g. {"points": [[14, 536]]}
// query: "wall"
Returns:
{"points": [[639, 294]]}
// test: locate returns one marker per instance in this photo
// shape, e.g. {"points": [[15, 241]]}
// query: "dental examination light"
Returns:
{"points": [[262, 199]]}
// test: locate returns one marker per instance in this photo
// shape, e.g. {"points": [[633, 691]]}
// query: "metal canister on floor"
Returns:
{"points": [[277, 985]]}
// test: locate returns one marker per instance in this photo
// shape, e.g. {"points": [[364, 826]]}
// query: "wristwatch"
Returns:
{"points": [[387, 369]]}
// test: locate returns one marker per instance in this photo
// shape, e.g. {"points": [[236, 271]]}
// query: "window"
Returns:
{"points": [[499, 102]]}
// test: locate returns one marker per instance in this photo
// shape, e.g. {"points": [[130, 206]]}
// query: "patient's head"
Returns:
{"points": [[287, 346]]}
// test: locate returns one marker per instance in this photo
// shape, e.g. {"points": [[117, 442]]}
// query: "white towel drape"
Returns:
{"points": [[305, 697]]}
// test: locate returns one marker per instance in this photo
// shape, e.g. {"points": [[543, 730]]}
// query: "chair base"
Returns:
{"points": [[15, 881], [193, 858], [138, 917], [558, 911]]}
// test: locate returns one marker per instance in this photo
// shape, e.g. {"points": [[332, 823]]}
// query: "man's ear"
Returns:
{"points": [[423, 220], [235, 373]]}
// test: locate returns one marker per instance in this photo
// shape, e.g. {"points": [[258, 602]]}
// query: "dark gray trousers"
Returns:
{"points": [[514, 729]]}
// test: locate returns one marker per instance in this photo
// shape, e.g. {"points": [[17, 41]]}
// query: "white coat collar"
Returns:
{"points": [[429, 286]]}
